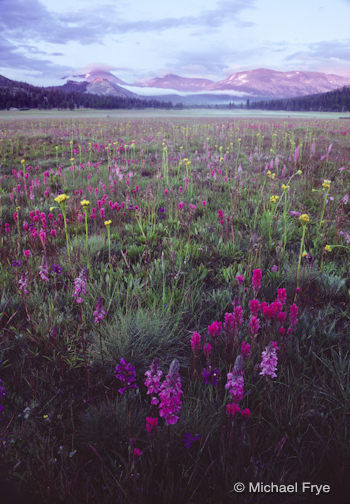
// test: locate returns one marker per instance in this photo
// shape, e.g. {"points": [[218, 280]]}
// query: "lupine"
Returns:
{"points": [[170, 394], [210, 376], [268, 363], [235, 380], [80, 286], [23, 283], [99, 313], [44, 271], [126, 373], [152, 382]]}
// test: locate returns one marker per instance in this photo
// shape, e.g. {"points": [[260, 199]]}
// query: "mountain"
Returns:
{"points": [[178, 83], [102, 83], [263, 82], [337, 100], [15, 94]]}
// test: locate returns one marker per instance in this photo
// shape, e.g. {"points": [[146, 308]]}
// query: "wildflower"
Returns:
{"points": [[85, 203], [256, 279], [268, 363], [285, 187], [170, 394], [214, 329], [99, 313], [151, 423], [210, 376], [274, 199], [326, 184], [238, 316], [274, 268], [254, 306], [152, 382], [189, 439], [44, 270], [137, 452], [80, 286], [23, 283], [181, 205], [328, 248], [235, 380], [293, 315], [245, 349], [240, 279], [108, 223], [304, 218], [232, 409], [126, 373], [61, 198], [195, 342], [245, 413], [207, 349], [299, 172], [16, 264], [56, 268], [254, 325]]}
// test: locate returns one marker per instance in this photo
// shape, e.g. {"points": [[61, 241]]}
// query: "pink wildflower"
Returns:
{"points": [[214, 329], [195, 342], [99, 313], [269, 361], [245, 349], [232, 409], [256, 279], [152, 382], [80, 286], [281, 296], [254, 325], [170, 394], [293, 315], [235, 380], [151, 423], [245, 413], [240, 279], [207, 349], [27, 253], [254, 306]]}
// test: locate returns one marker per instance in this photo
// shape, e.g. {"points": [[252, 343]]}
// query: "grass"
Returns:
{"points": [[180, 234]]}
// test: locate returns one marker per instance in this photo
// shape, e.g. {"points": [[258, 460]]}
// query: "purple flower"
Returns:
{"points": [[44, 270], [16, 264], [170, 394], [269, 360], [23, 283], [80, 286], [126, 373], [99, 313], [189, 439], [56, 268], [152, 382], [235, 380], [210, 376]]}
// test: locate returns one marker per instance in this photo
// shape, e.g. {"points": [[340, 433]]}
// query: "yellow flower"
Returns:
{"points": [[61, 198], [23, 161], [285, 187], [72, 159], [273, 175], [108, 223], [268, 173], [328, 248], [304, 218], [299, 172], [326, 184], [274, 199], [85, 203], [304, 254]]}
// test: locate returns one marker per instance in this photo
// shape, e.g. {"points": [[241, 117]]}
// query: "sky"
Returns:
{"points": [[42, 41]]}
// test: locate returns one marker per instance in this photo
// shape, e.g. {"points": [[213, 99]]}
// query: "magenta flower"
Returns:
{"points": [[238, 316], [207, 349], [293, 315], [245, 349], [195, 342], [254, 325], [282, 296], [27, 253], [232, 409], [170, 394], [240, 279], [254, 306], [152, 382], [245, 413], [151, 423], [268, 363], [214, 329], [256, 280]]}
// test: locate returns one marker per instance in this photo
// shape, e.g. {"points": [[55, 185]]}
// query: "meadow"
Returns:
{"points": [[174, 308]]}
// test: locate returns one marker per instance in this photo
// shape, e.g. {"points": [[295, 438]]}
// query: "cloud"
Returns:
{"points": [[326, 54]]}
